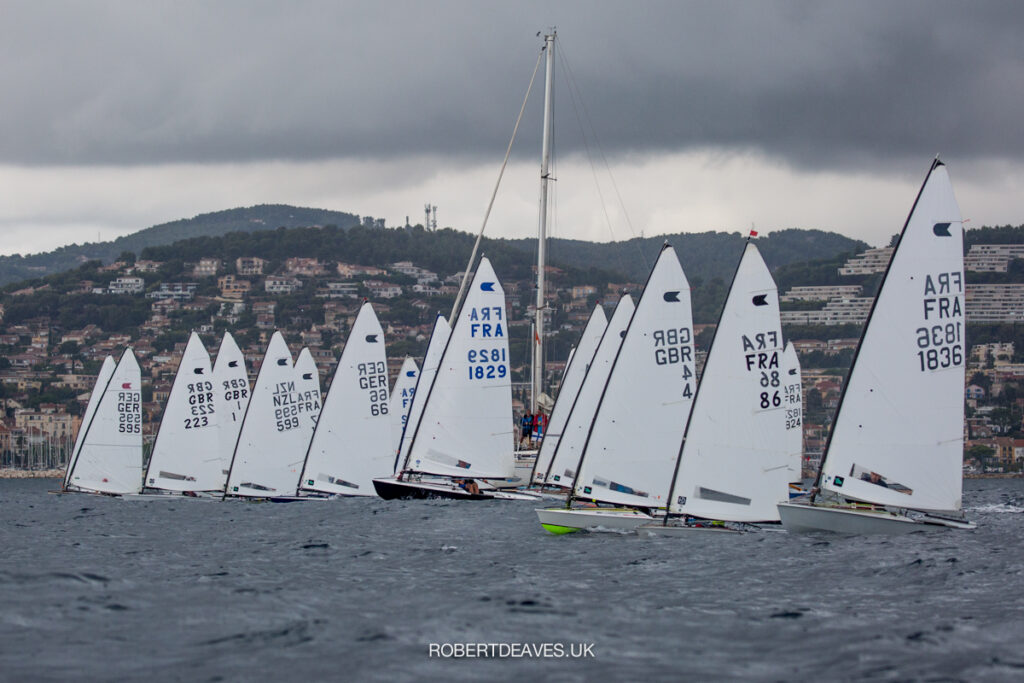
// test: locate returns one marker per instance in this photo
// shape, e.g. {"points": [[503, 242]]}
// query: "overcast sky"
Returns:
{"points": [[670, 116]]}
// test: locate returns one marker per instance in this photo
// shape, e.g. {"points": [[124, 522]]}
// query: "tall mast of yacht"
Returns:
{"points": [[537, 371]]}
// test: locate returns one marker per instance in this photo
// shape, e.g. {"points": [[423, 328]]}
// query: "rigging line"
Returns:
{"points": [[494, 194], [576, 96]]}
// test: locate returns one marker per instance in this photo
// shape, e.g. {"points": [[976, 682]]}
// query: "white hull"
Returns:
{"points": [[659, 529], [804, 518], [561, 520]]}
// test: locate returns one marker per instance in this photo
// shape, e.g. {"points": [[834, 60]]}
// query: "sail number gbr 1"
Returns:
{"points": [[487, 363]]}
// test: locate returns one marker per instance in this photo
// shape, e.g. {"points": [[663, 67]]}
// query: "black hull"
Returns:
{"points": [[405, 490]]}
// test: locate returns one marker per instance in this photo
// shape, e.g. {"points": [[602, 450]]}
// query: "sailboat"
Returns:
{"points": [[307, 383], [276, 419], [465, 431], [352, 441], [108, 459], [566, 452], [893, 460], [102, 378], [734, 458], [431, 361], [401, 400], [633, 438], [231, 398], [792, 399], [569, 388], [186, 453]]}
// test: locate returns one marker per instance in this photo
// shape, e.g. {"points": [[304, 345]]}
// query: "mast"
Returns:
{"points": [[537, 364]]}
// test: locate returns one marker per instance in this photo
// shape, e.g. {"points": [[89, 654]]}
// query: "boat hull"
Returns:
{"points": [[659, 529], [805, 518], [560, 521], [392, 489]]}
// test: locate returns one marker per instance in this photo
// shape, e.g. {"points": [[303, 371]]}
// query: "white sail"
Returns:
{"points": [[307, 383], [105, 373], [794, 415], [633, 443], [231, 382], [466, 427], [352, 441], [401, 400], [431, 361], [898, 433], [575, 371], [110, 457], [263, 462], [567, 453], [186, 455], [734, 462]]}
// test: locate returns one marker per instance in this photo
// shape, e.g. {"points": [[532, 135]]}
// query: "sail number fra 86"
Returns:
{"points": [[487, 363]]}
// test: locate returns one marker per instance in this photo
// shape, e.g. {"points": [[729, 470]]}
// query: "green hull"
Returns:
{"points": [[558, 530]]}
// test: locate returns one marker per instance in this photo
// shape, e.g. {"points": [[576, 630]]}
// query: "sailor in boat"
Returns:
{"points": [[469, 486]]}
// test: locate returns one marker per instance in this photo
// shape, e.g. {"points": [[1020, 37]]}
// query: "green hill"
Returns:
{"points": [[263, 217]]}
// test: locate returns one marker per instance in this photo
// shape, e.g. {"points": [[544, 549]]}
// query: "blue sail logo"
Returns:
{"points": [[487, 286]]}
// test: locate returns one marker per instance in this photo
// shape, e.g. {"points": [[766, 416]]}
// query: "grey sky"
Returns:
{"points": [[814, 87]]}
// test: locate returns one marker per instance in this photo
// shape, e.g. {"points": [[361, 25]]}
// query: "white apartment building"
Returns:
{"points": [[992, 258], [820, 293], [836, 312], [871, 261], [995, 303], [127, 285]]}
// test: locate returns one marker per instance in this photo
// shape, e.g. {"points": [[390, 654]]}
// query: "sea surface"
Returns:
{"points": [[95, 588]]}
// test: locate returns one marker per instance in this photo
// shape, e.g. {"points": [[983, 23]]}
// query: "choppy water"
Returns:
{"points": [[97, 588]]}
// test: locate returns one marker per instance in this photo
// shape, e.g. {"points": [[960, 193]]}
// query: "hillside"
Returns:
{"points": [[263, 217], [704, 256]]}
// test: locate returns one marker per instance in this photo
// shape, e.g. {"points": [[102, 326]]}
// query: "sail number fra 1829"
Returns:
{"points": [[487, 363]]}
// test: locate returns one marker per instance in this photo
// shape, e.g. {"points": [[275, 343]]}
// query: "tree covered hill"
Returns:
{"points": [[705, 256], [254, 218]]}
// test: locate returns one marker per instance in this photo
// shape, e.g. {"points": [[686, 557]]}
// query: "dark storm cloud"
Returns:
{"points": [[817, 84]]}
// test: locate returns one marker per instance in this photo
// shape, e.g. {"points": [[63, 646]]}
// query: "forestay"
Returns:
{"points": [[110, 457], [186, 454], [105, 373], [735, 456], [575, 372], [567, 452], [898, 433], [262, 465], [466, 427], [633, 442], [231, 384], [431, 361], [352, 441], [401, 400]]}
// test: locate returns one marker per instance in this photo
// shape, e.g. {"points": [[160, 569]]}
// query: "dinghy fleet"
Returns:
{"points": [[635, 439]]}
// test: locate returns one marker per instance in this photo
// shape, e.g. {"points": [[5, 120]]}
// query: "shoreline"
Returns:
{"points": [[32, 474]]}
